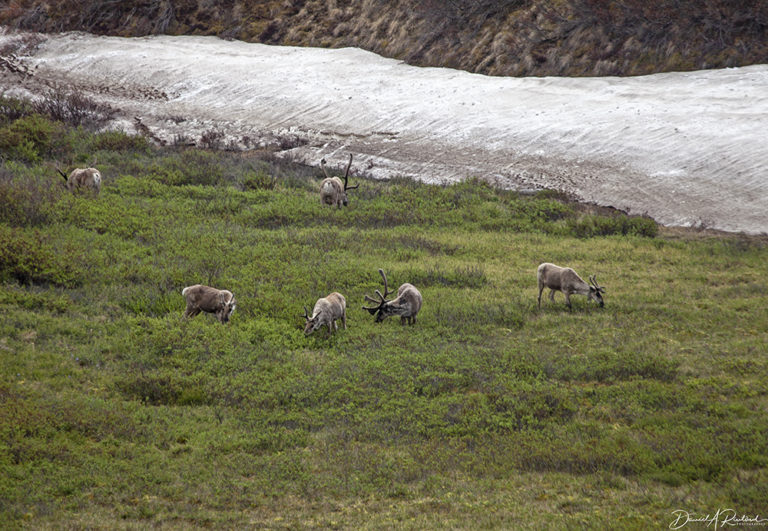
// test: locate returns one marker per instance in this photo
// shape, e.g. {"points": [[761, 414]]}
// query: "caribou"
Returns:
{"points": [[209, 300], [406, 305], [326, 312], [83, 178], [332, 190], [565, 279]]}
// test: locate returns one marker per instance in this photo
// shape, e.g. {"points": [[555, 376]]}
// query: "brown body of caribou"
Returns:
{"points": [[209, 300], [333, 191], [325, 313], [83, 179], [565, 279]]}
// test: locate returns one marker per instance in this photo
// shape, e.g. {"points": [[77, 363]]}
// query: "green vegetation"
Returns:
{"points": [[116, 412]]}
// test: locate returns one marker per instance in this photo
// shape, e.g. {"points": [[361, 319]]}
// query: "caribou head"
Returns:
{"points": [[406, 305], [596, 291]]}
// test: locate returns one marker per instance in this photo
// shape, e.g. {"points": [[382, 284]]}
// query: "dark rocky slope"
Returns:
{"points": [[502, 37]]}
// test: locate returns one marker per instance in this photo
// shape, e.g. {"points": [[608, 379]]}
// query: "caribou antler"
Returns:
{"points": [[346, 176], [62, 173], [386, 289], [593, 281], [599, 287], [306, 314], [382, 298]]}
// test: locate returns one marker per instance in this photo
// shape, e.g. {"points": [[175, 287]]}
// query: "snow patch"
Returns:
{"points": [[683, 147]]}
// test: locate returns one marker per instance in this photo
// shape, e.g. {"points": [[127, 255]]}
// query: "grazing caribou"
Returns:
{"points": [[83, 178], [406, 305], [565, 279], [209, 300], [325, 313], [332, 190]]}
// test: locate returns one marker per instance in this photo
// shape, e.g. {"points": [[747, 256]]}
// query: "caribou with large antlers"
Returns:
{"points": [[326, 311], [406, 305], [332, 190], [565, 279]]}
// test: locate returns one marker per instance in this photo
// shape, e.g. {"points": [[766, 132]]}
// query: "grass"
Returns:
{"points": [[488, 413]]}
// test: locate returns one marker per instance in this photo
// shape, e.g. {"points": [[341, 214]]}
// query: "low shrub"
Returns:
{"points": [[259, 180], [613, 366], [29, 138], [589, 226], [11, 109], [120, 141], [189, 167], [542, 208], [90, 214], [533, 404], [163, 389], [474, 315], [152, 304], [27, 201], [31, 300], [212, 139], [28, 257], [74, 108], [182, 140], [460, 277]]}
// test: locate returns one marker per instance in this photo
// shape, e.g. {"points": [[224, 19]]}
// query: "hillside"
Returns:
{"points": [[488, 413], [503, 38]]}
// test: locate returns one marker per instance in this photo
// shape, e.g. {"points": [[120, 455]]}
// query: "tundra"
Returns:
{"points": [[332, 190], [565, 279], [209, 300], [406, 305], [83, 178], [325, 313]]}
